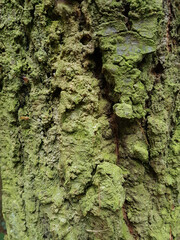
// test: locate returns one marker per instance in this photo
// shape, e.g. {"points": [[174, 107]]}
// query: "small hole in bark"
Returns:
{"points": [[56, 93], [48, 75], [158, 69], [85, 39], [18, 51], [2, 50], [53, 72]]}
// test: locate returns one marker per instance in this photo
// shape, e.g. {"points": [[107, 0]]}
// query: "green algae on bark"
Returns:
{"points": [[71, 169]]}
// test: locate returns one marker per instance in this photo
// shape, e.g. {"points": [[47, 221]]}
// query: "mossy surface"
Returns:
{"points": [[89, 124]]}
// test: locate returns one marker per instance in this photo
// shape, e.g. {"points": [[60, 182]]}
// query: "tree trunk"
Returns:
{"points": [[89, 119]]}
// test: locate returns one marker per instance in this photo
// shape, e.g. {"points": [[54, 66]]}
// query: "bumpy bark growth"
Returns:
{"points": [[90, 131]]}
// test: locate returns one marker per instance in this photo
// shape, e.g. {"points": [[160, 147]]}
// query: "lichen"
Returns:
{"points": [[89, 103]]}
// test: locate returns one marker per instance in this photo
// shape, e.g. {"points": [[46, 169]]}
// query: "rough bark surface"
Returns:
{"points": [[89, 119]]}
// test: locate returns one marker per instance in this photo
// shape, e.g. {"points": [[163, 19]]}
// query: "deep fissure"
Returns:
{"points": [[2, 222], [128, 223], [105, 91]]}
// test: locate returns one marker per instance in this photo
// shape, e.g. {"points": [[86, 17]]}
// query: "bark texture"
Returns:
{"points": [[89, 119]]}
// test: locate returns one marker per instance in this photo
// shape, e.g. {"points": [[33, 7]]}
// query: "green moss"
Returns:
{"points": [[146, 7], [59, 172], [146, 27], [104, 192], [141, 151], [123, 110], [121, 71], [63, 9], [176, 142]]}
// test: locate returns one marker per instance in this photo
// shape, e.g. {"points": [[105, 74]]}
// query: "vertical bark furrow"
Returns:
{"points": [[89, 114]]}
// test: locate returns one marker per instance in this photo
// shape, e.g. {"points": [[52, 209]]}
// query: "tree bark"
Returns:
{"points": [[89, 119]]}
